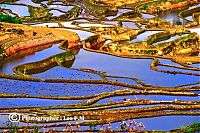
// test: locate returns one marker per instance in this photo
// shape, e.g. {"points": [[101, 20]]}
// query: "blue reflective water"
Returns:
{"points": [[164, 122], [137, 68], [148, 97], [8, 66], [53, 89], [56, 13], [18, 9], [32, 102], [28, 2], [144, 36], [172, 16]]}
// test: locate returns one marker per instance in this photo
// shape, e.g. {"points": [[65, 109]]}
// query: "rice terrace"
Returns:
{"points": [[109, 66]]}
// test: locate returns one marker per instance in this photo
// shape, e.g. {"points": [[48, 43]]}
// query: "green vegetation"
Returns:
{"points": [[39, 13], [195, 127], [36, 129], [92, 125], [180, 0], [13, 127], [119, 34], [9, 19]]}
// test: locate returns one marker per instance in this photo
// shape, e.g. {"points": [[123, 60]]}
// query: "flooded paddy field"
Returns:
{"points": [[103, 65]]}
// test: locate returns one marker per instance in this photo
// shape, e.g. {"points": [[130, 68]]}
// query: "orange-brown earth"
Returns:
{"points": [[16, 37]]}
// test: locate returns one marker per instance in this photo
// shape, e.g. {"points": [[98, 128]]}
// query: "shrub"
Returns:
{"points": [[9, 19]]}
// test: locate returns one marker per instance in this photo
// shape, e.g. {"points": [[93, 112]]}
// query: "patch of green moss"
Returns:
{"points": [[195, 127], [9, 19]]}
